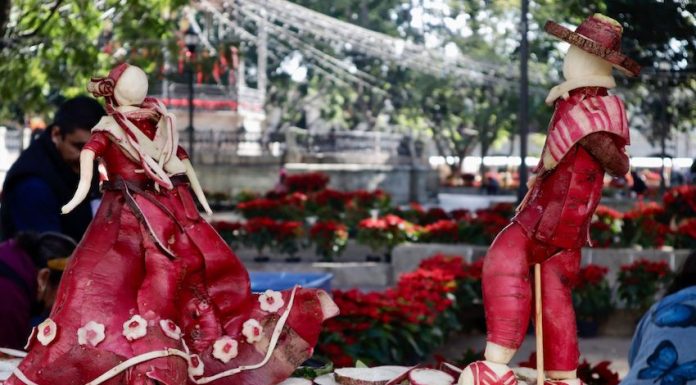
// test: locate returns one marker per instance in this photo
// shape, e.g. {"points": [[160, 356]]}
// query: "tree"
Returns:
{"points": [[49, 50]]}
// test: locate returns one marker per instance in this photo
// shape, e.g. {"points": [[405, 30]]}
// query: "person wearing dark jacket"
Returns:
{"points": [[46, 174]]}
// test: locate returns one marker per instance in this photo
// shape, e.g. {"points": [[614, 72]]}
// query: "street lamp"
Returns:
{"points": [[191, 41]]}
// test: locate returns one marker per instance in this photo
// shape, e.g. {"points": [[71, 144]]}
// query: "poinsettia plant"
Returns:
{"points": [[444, 231], [592, 294], [646, 225], [605, 228], [306, 182], [685, 236], [330, 238], [230, 231], [383, 234], [286, 237], [389, 326], [640, 281], [257, 233], [289, 207], [680, 203]]}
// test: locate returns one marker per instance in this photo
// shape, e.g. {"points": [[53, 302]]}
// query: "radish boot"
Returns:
{"points": [[488, 373]]}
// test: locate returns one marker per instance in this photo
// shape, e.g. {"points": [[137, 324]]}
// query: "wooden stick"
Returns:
{"points": [[538, 322]]}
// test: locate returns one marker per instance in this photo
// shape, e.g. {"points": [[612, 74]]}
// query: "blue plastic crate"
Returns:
{"points": [[262, 280]]}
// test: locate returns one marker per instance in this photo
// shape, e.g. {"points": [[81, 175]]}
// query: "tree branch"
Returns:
{"points": [[42, 23]]}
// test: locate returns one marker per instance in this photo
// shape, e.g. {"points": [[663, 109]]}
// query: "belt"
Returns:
{"points": [[146, 190]]}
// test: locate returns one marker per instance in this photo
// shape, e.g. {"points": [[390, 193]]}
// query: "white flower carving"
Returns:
{"points": [[92, 333], [47, 331], [170, 329], [134, 328], [271, 301], [196, 367], [225, 349], [252, 330]]}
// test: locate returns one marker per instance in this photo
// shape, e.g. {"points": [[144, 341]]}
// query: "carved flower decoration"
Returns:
{"points": [[196, 367], [134, 328], [92, 333], [170, 329], [225, 349], [271, 301], [251, 329], [47, 331]]}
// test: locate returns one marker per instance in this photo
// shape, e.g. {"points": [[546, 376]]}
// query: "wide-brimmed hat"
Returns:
{"points": [[599, 35]]}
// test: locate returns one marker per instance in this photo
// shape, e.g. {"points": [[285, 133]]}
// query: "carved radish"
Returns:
{"points": [[430, 377], [379, 375]]}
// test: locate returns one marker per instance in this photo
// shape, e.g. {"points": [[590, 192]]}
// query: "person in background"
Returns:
{"points": [[46, 174], [639, 186], [663, 350], [31, 266]]}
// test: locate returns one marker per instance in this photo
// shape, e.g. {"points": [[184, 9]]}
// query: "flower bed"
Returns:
{"points": [[370, 218], [382, 328], [390, 327]]}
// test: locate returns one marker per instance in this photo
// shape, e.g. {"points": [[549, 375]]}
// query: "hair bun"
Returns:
{"points": [[101, 86]]}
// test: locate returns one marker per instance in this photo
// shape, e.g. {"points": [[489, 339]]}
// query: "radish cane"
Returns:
{"points": [[539, 329]]}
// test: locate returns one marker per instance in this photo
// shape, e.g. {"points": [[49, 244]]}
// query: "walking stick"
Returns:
{"points": [[539, 329]]}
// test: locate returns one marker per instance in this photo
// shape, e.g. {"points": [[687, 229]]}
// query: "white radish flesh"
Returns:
{"points": [[379, 375], [430, 377], [326, 379], [296, 381]]}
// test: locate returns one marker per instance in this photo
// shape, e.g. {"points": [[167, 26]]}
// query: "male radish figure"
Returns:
{"points": [[587, 137]]}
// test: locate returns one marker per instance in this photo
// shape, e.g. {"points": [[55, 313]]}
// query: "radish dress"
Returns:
{"points": [[154, 295]]}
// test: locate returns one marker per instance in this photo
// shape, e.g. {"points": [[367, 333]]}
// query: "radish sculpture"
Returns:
{"points": [[153, 295], [587, 138]]}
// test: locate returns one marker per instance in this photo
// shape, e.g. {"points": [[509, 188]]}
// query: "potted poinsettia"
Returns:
{"points": [[286, 238], [258, 233], [383, 234], [591, 299], [641, 281], [605, 228], [329, 237]]}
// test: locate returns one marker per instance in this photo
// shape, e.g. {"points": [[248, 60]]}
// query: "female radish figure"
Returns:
{"points": [[153, 294]]}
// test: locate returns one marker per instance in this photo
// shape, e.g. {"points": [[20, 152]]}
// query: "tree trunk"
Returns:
{"points": [[5, 6]]}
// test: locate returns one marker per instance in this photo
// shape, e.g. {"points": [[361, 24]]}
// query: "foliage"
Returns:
{"points": [[330, 239], [51, 50], [592, 294], [641, 281]]}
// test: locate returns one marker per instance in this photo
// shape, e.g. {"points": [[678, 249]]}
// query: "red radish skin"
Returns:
{"points": [[450, 369], [430, 377]]}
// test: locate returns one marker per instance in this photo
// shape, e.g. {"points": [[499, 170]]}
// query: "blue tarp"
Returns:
{"points": [[262, 281]]}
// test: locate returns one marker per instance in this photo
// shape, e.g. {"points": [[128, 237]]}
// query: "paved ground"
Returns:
{"points": [[613, 349]]}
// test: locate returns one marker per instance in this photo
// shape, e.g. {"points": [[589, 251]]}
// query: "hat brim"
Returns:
{"points": [[617, 59]]}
